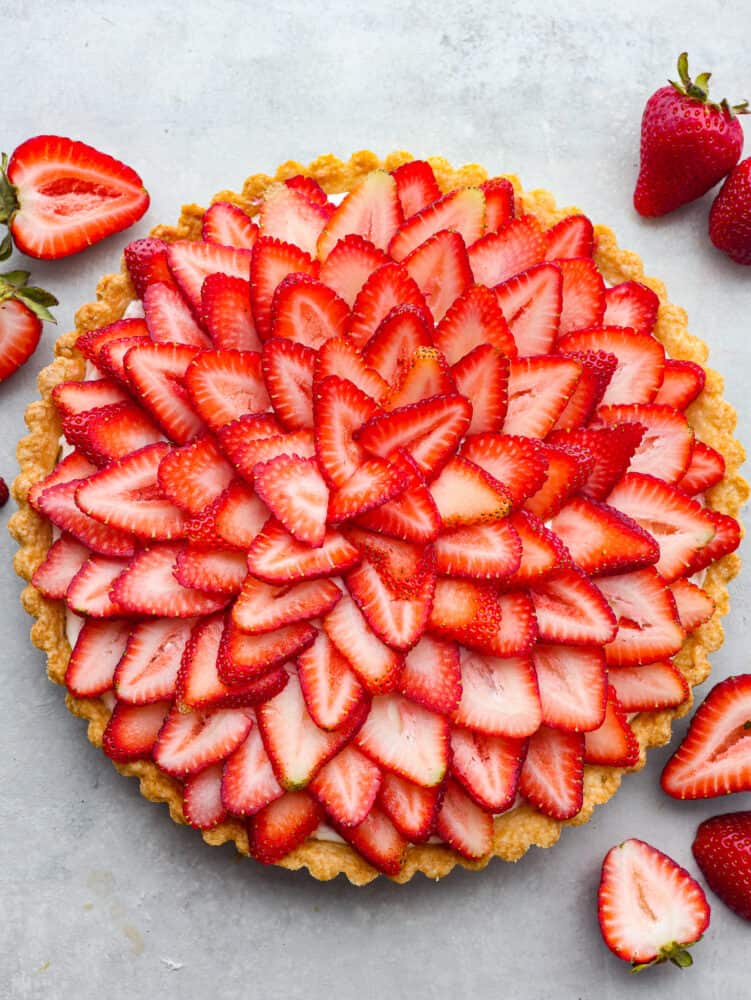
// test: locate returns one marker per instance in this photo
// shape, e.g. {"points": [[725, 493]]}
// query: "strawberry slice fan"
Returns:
{"points": [[381, 533]]}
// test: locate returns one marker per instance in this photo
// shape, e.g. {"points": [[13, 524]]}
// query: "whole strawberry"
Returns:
{"points": [[722, 849], [688, 143], [730, 217]]}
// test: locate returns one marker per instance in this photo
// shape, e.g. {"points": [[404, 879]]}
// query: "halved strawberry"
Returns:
{"points": [[570, 610], [610, 450], [517, 246], [58, 504], [288, 370], [146, 261], [680, 525], [287, 215], [157, 374], [147, 670], [248, 779], [307, 311], [499, 695], [665, 450], [256, 438], [542, 552], [262, 607], [295, 493], [402, 736], [349, 265], [631, 304], [552, 775], [192, 261], [573, 686], [694, 605], [598, 368], [410, 807], [110, 432], [132, 730], [614, 743], [531, 302], [571, 237], [517, 462], [464, 493], [168, 317], [376, 665], [641, 361], [226, 313], [374, 483], [482, 377], [212, 570], [311, 189], [705, 470], [227, 224], [225, 385], [347, 786], [538, 390], [71, 398], [461, 211], [488, 767], [390, 350], [648, 627], [713, 758], [91, 342], [194, 475], [371, 209], [602, 539], [148, 586], [378, 841], [649, 687], [463, 824], [432, 675], [427, 375], [566, 474], [282, 826], [340, 409], [63, 560], [416, 186], [479, 551], [474, 319], [338, 356], [272, 261], [202, 798], [582, 294], [726, 539], [89, 592], [331, 690], [440, 267], [499, 203], [275, 556], [94, 657], [244, 657]]}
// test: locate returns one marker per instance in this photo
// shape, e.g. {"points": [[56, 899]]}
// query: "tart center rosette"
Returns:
{"points": [[382, 516]]}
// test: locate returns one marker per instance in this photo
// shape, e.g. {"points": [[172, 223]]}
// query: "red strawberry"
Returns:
{"points": [[20, 330], [571, 237], [227, 224], [255, 438], [551, 778], [601, 539], [688, 144], [465, 609], [248, 657], [390, 350], [516, 462], [482, 377], [694, 605], [721, 851], [499, 696], [404, 737], [473, 320], [283, 825], [295, 493], [463, 824], [541, 550], [73, 466], [311, 189], [713, 758], [517, 246], [648, 627], [287, 215], [427, 375], [288, 370], [640, 361], [191, 262], [567, 472], [411, 808], [727, 538], [461, 211], [111, 358], [582, 294], [681, 384], [66, 195], [610, 450], [202, 798], [95, 655], [499, 203], [614, 743], [488, 767], [76, 397], [331, 690], [338, 356], [248, 780], [531, 302], [598, 368], [63, 560], [132, 730], [650, 909], [572, 611], [146, 261], [730, 215], [148, 665], [480, 551], [388, 288], [517, 632], [371, 209], [349, 265], [226, 313], [91, 343], [538, 390], [413, 516], [466, 494], [90, 591], [194, 475], [157, 374], [214, 571], [169, 319], [271, 262], [148, 586], [305, 310], [649, 687], [225, 385], [264, 608], [432, 676], [373, 484], [347, 786], [58, 504], [233, 519], [631, 304], [378, 841], [573, 686], [340, 410], [416, 187], [376, 665], [440, 268], [275, 556], [111, 432]]}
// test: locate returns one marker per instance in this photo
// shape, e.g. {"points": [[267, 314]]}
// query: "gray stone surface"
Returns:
{"points": [[100, 893]]}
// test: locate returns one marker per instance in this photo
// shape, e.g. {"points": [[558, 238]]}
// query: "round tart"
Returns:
{"points": [[388, 530]]}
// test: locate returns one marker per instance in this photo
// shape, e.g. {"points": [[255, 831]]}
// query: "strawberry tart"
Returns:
{"points": [[379, 517]]}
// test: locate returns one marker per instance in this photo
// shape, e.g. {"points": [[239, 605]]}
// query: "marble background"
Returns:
{"points": [[101, 894]]}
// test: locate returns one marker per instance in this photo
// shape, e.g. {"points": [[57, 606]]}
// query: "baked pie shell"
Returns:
{"points": [[710, 415]]}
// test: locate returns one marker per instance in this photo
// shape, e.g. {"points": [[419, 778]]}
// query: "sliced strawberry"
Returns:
{"points": [[297, 748], [482, 377], [281, 826], [238, 516], [402, 736], [202, 798], [349, 265], [58, 504], [146, 261], [275, 556], [427, 375], [386, 289], [74, 466], [727, 538], [244, 657], [566, 474], [157, 374], [713, 758], [705, 470], [680, 526], [429, 431], [488, 767], [331, 690], [517, 462], [602, 539], [225, 385], [256, 438], [465, 494], [347, 786], [191, 262], [640, 361], [91, 342], [215, 571], [227, 224], [264, 608], [338, 356], [432, 676], [390, 350], [371, 209], [295, 493], [499, 203], [77, 397], [517, 246], [474, 319], [248, 779], [413, 516], [682, 383], [461, 211], [63, 560], [570, 610], [96, 653], [374, 483], [573, 686], [89, 592], [148, 586], [378, 841], [226, 313], [307, 311], [553, 771], [610, 450], [517, 632], [499, 696], [287, 215], [440, 267], [582, 295], [169, 318], [649, 687], [571, 237], [111, 432], [465, 609], [194, 475], [480, 551], [112, 356], [631, 304], [416, 187], [541, 550], [311, 189], [410, 807], [148, 668], [665, 450], [648, 627], [132, 730], [272, 261], [598, 368], [531, 302], [463, 824], [288, 370], [340, 409], [694, 605], [376, 665], [614, 743], [538, 390]]}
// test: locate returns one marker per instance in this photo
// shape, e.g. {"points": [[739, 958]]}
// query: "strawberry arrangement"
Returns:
{"points": [[382, 516]]}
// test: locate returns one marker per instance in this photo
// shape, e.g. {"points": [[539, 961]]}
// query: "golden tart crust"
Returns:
{"points": [[710, 415]]}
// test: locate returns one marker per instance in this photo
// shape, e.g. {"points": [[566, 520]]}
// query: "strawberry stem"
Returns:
{"points": [[8, 199], [698, 90], [13, 285], [674, 952]]}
